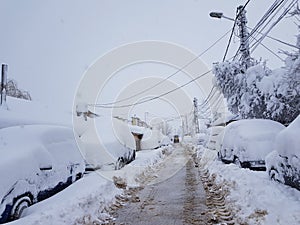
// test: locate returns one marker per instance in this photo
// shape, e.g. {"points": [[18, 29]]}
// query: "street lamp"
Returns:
{"points": [[241, 22], [219, 15]]}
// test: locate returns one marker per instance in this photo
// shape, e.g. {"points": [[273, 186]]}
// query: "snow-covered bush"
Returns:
{"points": [[13, 90]]}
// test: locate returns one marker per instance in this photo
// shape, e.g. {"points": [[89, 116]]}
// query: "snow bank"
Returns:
{"points": [[145, 159], [253, 197], [86, 199]]}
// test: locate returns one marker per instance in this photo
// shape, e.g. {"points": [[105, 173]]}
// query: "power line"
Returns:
{"points": [[276, 39], [173, 74], [284, 13], [276, 55], [152, 98]]}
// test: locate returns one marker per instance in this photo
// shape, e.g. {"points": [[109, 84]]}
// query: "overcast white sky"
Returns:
{"points": [[49, 44]]}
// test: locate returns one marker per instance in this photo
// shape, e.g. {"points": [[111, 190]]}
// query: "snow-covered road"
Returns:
{"points": [[173, 191], [177, 200]]}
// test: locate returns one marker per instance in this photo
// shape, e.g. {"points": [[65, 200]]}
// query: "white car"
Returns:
{"points": [[36, 162], [283, 164], [247, 142], [215, 137]]}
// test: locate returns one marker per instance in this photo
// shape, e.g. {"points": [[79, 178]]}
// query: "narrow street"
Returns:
{"points": [[177, 200]]}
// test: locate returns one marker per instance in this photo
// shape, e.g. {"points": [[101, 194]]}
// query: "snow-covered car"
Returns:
{"points": [[215, 137], [247, 142], [107, 145], [36, 162], [283, 164]]}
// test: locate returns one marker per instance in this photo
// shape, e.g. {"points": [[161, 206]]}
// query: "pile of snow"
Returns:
{"points": [[145, 160], [81, 203], [253, 197]]}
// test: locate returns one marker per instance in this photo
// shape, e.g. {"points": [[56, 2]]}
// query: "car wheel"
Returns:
{"points": [[78, 176], [19, 206], [119, 164], [237, 162], [274, 175]]}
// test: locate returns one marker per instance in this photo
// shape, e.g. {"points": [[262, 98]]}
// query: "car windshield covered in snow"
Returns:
{"points": [[247, 142], [284, 162], [36, 162]]}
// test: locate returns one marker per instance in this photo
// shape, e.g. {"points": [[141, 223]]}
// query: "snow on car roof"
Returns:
{"points": [[288, 142], [254, 135], [21, 112], [23, 151]]}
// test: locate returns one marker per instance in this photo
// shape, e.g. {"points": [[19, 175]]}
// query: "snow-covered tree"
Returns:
{"points": [[258, 92], [228, 80]]}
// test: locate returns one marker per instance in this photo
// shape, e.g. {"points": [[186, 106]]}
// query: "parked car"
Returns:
{"points": [[247, 142], [176, 139], [36, 162], [215, 137], [283, 164], [106, 145]]}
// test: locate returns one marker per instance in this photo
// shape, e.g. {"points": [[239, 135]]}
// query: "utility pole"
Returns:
{"points": [[196, 121], [185, 124], [3, 84], [244, 36], [146, 117]]}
